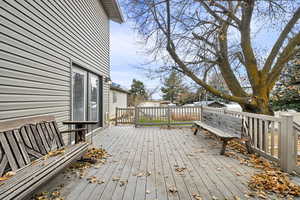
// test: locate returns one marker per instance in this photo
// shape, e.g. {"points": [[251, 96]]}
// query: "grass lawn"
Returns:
{"points": [[157, 122]]}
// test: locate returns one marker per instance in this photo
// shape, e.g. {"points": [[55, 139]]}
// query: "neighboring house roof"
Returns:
{"points": [[207, 103], [113, 10], [115, 88]]}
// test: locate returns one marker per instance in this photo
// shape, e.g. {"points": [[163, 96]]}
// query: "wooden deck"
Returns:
{"points": [[136, 151]]}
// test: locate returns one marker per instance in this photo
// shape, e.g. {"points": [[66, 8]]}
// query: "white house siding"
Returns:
{"points": [[121, 102], [38, 41]]}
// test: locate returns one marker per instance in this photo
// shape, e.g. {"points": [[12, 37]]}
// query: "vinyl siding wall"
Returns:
{"points": [[38, 41], [121, 102]]}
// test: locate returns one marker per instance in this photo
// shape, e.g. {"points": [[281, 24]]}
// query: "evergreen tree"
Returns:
{"points": [[137, 93], [173, 87], [286, 94]]}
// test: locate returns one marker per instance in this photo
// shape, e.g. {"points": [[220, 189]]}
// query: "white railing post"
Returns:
{"points": [[287, 141], [116, 116], [135, 116], [169, 116]]}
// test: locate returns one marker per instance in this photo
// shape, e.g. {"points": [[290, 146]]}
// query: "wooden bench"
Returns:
{"points": [[225, 127], [28, 147]]}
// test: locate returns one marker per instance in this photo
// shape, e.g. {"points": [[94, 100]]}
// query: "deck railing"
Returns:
{"points": [[276, 138], [296, 129], [171, 115], [125, 116], [156, 116]]}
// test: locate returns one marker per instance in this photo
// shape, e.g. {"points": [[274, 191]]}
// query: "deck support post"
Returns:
{"points": [[136, 112], [287, 148], [116, 116], [169, 116]]}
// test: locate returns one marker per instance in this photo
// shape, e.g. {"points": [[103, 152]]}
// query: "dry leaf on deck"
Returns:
{"points": [[172, 189], [180, 169]]}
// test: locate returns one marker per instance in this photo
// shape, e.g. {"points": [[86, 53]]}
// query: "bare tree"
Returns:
{"points": [[195, 36], [151, 92]]}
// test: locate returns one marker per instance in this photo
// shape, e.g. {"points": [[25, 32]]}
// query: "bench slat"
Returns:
{"points": [[31, 138], [38, 139], [33, 153], [25, 137], [22, 147], [15, 149], [49, 136], [9, 154], [43, 138], [3, 164], [54, 126], [216, 131]]}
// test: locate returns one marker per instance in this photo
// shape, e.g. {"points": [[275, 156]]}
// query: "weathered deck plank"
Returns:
{"points": [[160, 152]]}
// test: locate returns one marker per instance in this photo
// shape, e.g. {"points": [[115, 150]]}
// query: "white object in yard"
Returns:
{"points": [[233, 107]]}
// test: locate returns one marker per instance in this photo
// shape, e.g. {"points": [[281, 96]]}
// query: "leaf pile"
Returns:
{"points": [[93, 157], [96, 154], [54, 153], [274, 181], [238, 146], [54, 195], [271, 179]]}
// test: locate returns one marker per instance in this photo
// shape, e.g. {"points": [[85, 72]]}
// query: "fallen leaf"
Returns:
{"points": [[7, 175], [172, 189], [236, 198], [123, 182], [115, 178], [180, 169], [197, 196]]}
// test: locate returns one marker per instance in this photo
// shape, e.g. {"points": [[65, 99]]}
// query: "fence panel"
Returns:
{"points": [[184, 115], [125, 116]]}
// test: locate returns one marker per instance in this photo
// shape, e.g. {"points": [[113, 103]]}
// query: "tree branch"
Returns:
{"points": [[250, 60], [283, 58], [289, 26]]}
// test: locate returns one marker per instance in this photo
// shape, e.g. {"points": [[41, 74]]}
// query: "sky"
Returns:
{"points": [[126, 56], [127, 52]]}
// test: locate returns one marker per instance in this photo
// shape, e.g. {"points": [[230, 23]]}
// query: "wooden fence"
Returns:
{"points": [[125, 116], [152, 116], [276, 138]]}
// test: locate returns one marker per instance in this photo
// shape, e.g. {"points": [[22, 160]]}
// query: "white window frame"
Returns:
{"points": [[85, 73]]}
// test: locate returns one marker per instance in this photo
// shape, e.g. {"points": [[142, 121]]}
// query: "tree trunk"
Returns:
{"points": [[259, 105]]}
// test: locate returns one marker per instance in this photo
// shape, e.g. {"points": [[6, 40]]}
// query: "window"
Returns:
{"points": [[86, 95], [114, 97], [79, 82]]}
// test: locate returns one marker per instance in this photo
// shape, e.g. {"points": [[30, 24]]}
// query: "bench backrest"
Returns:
{"points": [[24, 140], [226, 123]]}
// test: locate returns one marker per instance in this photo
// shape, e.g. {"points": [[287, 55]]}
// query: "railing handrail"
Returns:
{"points": [[247, 114]]}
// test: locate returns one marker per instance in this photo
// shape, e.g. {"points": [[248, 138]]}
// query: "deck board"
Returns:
{"points": [[158, 151]]}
